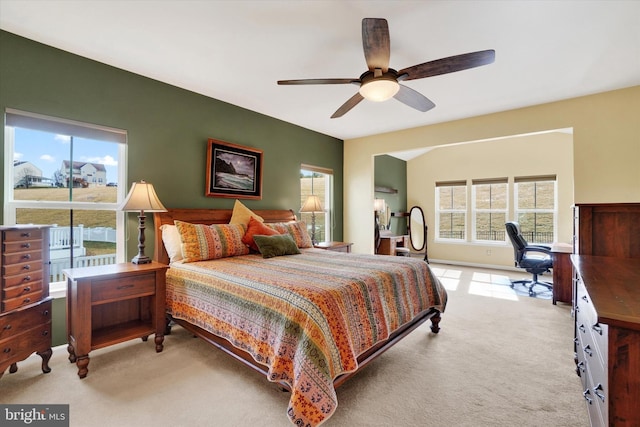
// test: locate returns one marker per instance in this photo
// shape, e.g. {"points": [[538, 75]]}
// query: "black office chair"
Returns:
{"points": [[535, 259]]}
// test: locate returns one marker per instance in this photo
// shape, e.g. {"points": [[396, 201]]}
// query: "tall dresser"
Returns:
{"points": [[606, 301], [25, 305]]}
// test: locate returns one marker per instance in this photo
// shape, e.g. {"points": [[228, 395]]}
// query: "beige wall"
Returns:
{"points": [[606, 150], [531, 155]]}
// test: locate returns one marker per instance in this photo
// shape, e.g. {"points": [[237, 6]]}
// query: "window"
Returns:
{"points": [[451, 218], [490, 206], [535, 207], [71, 175], [318, 181]]}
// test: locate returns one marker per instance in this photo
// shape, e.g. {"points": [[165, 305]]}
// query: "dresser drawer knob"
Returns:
{"points": [[27, 300], [45, 313], [125, 286], [587, 350], [27, 288], [6, 350], [597, 328], [25, 234], [45, 333], [598, 391], [7, 327], [26, 245], [586, 395], [26, 279], [26, 256], [27, 267]]}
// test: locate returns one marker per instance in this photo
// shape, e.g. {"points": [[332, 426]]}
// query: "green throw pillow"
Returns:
{"points": [[277, 245]]}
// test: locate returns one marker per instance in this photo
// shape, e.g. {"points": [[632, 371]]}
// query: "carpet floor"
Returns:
{"points": [[500, 359]]}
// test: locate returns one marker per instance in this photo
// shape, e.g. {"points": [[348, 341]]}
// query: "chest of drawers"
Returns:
{"points": [[25, 306], [607, 337]]}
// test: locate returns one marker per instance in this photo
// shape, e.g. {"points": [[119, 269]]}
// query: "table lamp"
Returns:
{"points": [[142, 197], [312, 205]]}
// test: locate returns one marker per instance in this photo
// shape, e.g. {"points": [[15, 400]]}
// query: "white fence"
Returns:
{"points": [[57, 265]]}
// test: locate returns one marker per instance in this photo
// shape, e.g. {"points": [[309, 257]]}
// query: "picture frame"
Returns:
{"points": [[233, 170]]}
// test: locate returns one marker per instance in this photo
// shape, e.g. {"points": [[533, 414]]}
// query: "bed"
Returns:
{"points": [[308, 321]]}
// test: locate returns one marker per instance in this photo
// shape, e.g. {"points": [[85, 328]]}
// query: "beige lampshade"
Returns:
{"points": [[379, 205], [312, 204], [142, 197]]}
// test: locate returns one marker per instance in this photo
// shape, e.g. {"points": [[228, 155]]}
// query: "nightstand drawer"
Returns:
{"points": [[26, 299], [20, 321], [131, 286]]}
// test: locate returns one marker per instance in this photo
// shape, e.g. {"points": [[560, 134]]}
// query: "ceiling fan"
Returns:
{"points": [[380, 82]]}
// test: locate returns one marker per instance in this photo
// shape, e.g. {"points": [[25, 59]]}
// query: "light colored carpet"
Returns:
{"points": [[499, 360]]}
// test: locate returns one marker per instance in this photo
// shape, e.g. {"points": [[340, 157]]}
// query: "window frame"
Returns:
{"points": [[554, 211], [327, 201], [451, 210], [55, 125], [475, 210]]}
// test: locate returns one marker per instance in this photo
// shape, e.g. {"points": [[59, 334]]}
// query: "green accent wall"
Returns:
{"points": [[167, 127], [391, 172]]}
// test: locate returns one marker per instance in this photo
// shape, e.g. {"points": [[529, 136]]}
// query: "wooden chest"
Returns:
{"points": [[25, 305]]}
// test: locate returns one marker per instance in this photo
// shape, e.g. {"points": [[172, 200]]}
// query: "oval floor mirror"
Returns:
{"points": [[418, 231]]}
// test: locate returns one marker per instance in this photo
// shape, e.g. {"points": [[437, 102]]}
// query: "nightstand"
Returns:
{"points": [[334, 246], [110, 304]]}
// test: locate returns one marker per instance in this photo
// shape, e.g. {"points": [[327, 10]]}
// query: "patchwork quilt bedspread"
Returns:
{"points": [[306, 317]]}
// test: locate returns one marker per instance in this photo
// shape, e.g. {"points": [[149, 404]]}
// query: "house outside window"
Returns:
{"points": [[318, 181], [490, 208], [55, 173], [535, 207], [451, 215]]}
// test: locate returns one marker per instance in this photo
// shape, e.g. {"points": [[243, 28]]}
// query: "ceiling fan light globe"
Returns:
{"points": [[379, 90]]}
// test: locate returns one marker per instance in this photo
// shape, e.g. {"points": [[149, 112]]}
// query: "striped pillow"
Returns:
{"points": [[201, 242], [297, 230]]}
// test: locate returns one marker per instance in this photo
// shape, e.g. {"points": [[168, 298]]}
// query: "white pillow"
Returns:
{"points": [[172, 242]]}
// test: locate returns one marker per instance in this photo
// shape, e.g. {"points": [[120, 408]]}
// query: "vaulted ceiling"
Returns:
{"points": [[235, 51]]}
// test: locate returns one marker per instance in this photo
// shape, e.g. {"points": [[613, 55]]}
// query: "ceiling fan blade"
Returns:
{"points": [[376, 44], [318, 82], [351, 102], [414, 99], [448, 65]]}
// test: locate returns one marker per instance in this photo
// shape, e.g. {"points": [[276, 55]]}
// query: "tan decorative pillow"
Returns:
{"points": [[202, 242], [241, 214], [297, 230]]}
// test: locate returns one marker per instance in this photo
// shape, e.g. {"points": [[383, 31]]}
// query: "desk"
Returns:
{"points": [[388, 244], [562, 272]]}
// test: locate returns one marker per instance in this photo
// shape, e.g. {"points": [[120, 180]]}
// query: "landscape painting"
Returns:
{"points": [[233, 171]]}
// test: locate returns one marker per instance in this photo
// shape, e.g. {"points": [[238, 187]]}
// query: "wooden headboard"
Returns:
{"points": [[206, 216]]}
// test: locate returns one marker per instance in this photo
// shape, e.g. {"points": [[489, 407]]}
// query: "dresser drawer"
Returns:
{"points": [[24, 268], [22, 235], [22, 246], [127, 287], [22, 279], [20, 346], [13, 303], [16, 322], [23, 289], [19, 257]]}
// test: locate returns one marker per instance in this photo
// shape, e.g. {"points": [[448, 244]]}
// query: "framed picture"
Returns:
{"points": [[233, 171]]}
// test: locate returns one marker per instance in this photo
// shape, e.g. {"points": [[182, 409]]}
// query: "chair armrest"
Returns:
{"points": [[538, 248]]}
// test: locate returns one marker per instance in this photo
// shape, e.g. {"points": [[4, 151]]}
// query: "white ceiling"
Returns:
{"points": [[235, 51]]}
